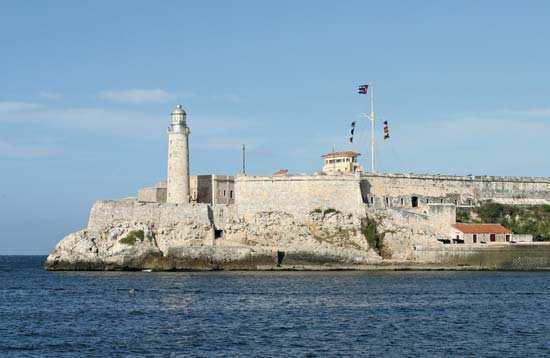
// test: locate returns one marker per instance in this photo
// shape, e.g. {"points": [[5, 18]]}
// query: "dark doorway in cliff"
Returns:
{"points": [[414, 201], [218, 233], [280, 257]]}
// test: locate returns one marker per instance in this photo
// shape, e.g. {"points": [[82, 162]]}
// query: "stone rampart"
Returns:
{"points": [[462, 188], [298, 195], [108, 213]]}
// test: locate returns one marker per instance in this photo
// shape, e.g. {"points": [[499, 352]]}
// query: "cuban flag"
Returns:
{"points": [[363, 89]]}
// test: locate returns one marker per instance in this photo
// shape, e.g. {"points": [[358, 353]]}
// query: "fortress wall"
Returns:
{"points": [[521, 256], [105, 213], [461, 187], [297, 195]]}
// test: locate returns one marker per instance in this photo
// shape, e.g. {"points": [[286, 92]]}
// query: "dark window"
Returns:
{"points": [[371, 200], [474, 238], [414, 201], [387, 201], [231, 194], [402, 201], [493, 237], [507, 238], [218, 233]]}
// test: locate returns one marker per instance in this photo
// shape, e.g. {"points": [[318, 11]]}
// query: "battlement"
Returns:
{"points": [[469, 178]]}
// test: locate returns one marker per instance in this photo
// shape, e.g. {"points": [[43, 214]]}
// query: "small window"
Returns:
{"points": [[371, 200], [224, 193], [414, 201], [474, 238], [427, 201], [387, 201], [402, 201], [231, 194], [507, 238]]}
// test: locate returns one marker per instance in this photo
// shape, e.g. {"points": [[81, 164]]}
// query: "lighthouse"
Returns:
{"points": [[177, 186]]}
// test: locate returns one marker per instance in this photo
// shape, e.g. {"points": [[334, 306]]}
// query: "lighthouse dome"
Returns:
{"points": [[179, 110], [178, 115]]}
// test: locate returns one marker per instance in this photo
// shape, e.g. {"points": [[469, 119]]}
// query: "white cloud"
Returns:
{"points": [[15, 106], [9, 150], [54, 96], [138, 95]]}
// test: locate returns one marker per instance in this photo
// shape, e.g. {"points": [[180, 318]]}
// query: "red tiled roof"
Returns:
{"points": [[482, 229], [347, 153]]}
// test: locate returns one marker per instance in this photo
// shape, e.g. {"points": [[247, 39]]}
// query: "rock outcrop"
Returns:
{"points": [[131, 235]]}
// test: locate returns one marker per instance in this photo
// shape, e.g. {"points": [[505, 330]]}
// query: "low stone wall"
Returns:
{"points": [[521, 256], [298, 195]]}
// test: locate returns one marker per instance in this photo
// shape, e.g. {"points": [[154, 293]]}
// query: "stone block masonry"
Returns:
{"points": [[298, 195]]}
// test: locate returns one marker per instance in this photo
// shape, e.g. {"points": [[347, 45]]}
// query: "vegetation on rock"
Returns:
{"points": [[132, 236], [369, 230], [325, 211]]}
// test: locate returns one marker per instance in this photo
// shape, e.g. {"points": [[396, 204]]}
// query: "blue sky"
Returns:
{"points": [[86, 88]]}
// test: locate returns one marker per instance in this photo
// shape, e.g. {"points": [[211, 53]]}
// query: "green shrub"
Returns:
{"points": [[330, 211], [132, 236], [370, 232], [462, 216]]}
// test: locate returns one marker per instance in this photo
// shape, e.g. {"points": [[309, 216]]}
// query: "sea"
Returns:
{"points": [[271, 314]]}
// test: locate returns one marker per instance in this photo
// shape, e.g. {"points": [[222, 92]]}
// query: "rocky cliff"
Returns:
{"points": [[131, 235]]}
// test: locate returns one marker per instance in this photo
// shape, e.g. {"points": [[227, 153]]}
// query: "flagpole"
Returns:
{"points": [[372, 127]]}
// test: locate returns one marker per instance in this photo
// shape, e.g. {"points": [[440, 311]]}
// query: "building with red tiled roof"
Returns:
{"points": [[480, 233]]}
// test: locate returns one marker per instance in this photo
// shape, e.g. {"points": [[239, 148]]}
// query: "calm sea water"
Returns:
{"points": [[271, 313]]}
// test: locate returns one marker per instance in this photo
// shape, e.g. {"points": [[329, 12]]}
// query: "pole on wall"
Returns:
{"points": [[372, 128], [244, 159]]}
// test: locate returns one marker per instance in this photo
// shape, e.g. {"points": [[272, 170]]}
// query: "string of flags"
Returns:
{"points": [[352, 131], [363, 89]]}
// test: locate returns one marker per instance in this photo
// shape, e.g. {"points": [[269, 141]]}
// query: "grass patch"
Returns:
{"points": [[132, 236]]}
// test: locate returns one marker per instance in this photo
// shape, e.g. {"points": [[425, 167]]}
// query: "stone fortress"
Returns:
{"points": [[339, 217]]}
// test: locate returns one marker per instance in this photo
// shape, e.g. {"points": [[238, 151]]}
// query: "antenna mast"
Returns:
{"points": [[372, 127]]}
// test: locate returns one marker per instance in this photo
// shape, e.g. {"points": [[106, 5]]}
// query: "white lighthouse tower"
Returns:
{"points": [[177, 186]]}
